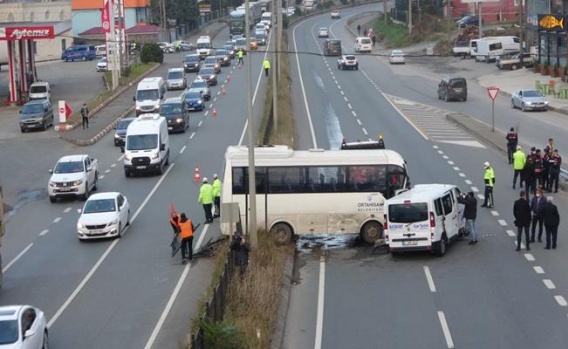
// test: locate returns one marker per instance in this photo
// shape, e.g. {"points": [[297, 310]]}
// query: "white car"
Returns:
{"points": [[104, 215], [347, 62], [397, 57], [23, 327], [167, 47], [323, 32], [102, 64], [335, 14]]}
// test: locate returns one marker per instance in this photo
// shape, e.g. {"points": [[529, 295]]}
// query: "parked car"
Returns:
{"points": [[397, 57], [514, 62], [529, 99], [167, 47], [37, 114], [453, 88], [23, 327], [184, 45], [104, 215], [468, 20], [79, 53], [120, 131], [335, 14], [102, 65]]}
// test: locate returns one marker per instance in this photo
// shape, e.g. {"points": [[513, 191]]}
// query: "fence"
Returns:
{"points": [[215, 307]]}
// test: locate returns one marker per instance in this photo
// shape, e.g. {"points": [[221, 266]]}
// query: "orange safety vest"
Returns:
{"points": [[186, 229]]}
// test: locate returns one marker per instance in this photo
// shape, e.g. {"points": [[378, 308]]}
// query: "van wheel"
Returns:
{"points": [[442, 245], [126, 173], [83, 58], [168, 157], [119, 233], [160, 170], [514, 67], [282, 233], [371, 232]]}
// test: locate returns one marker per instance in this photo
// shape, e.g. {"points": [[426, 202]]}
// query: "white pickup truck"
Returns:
{"points": [[73, 175]]}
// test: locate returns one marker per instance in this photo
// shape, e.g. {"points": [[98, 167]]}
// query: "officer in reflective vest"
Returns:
{"points": [[216, 195], [489, 178], [512, 141], [186, 228], [206, 199]]}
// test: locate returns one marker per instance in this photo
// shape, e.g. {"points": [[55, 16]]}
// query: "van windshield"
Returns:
{"points": [[145, 95], [457, 83], [175, 75], [203, 45], [38, 89], [408, 213], [142, 142]]}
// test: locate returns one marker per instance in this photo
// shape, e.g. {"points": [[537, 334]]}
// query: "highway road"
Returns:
{"points": [[481, 296], [125, 293]]}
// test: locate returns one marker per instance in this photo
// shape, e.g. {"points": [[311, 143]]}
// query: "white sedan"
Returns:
{"points": [[323, 32], [167, 47], [529, 99], [23, 327], [104, 215], [397, 57], [102, 64]]}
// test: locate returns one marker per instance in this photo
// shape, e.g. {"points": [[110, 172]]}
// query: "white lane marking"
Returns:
{"points": [[467, 181], [495, 213], [406, 118], [354, 114], [321, 295], [456, 168], [435, 147], [474, 189], [345, 98], [17, 257], [429, 279], [343, 94], [107, 171], [215, 99], [522, 245], [95, 267], [445, 157], [365, 132], [481, 197], [349, 106], [450, 162], [120, 158], [174, 295], [549, 284], [461, 174], [101, 176], [529, 257], [359, 122], [440, 152], [511, 233], [200, 123], [502, 222], [561, 301], [43, 232], [192, 135], [56, 219], [112, 165], [182, 150], [67, 210], [446, 329], [206, 112], [538, 269]]}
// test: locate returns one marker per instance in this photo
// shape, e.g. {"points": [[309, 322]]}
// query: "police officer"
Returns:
{"points": [[266, 66], [545, 175], [519, 161], [217, 195], [240, 56], [489, 178], [512, 142], [556, 162], [206, 199], [186, 228], [381, 142]]}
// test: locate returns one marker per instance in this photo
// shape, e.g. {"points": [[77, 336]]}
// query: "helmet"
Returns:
{"points": [[518, 147], [215, 176], [205, 180], [486, 164]]}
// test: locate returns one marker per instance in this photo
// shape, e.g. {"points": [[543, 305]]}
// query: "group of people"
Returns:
{"points": [[367, 32]]}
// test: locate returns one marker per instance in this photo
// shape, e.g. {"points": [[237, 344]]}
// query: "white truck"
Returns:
{"points": [[75, 176], [204, 46]]}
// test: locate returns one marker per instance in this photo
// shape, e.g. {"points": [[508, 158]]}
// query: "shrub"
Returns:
{"points": [[151, 53], [344, 2]]}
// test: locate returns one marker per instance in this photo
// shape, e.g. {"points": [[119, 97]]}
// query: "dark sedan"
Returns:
{"points": [[208, 74], [223, 57], [194, 100], [120, 133], [191, 63], [230, 48]]}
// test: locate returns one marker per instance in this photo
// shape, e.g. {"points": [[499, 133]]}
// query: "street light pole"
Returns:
{"points": [[275, 66], [409, 17], [521, 35], [251, 168]]}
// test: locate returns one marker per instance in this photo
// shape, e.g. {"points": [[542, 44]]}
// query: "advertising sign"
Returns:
{"points": [[27, 33], [105, 16], [204, 7]]}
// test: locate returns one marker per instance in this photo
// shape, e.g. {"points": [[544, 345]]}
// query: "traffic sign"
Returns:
{"points": [[493, 91], [64, 111]]}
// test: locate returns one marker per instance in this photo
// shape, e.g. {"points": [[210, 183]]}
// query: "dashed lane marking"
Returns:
{"points": [[549, 284], [538, 270], [365, 132], [200, 123], [502, 222], [107, 171], [101, 176], [473, 189], [67, 210], [112, 165], [529, 257], [182, 149], [450, 162], [456, 168], [561, 301], [192, 135], [56, 219], [43, 232], [511, 233], [17, 257], [495, 213]]}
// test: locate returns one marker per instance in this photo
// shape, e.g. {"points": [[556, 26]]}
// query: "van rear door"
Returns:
{"points": [[408, 225]]}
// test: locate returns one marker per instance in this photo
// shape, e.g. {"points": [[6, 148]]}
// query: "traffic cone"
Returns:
{"points": [[196, 176], [214, 112], [224, 91]]}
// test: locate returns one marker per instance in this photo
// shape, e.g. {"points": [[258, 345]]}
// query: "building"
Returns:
{"points": [[140, 33], [491, 12], [86, 14]]}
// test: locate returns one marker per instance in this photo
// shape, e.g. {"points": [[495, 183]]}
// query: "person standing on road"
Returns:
{"points": [[489, 178], [551, 222], [556, 162], [537, 169], [528, 172], [374, 39], [240, 57], [85, 115], [217, 195], [537, 207], [358, 29], [522, 213], [512, 142], [266, 66], [545, 175], [206, 199], [186, 228], [470, 214], [519, 161]]}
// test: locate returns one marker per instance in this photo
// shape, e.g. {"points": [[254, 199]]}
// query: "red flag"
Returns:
{"points": [[105, 16], [172, 209]]}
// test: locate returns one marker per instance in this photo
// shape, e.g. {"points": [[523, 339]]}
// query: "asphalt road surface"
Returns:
{"points": [[481, 296], [125, 293]]}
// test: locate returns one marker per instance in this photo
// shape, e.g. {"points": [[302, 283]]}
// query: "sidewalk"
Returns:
{"points": [[104, 120]]}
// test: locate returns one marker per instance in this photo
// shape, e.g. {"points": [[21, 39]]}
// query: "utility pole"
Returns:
{"points": [[251, 168], [165, 33], [409, 17], [112, 50], [521, 35], [121, 52], [275, 66], [385, 11], [480, 20], [279, 36]]}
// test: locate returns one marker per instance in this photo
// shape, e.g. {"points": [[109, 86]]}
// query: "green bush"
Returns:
{"points": [[222, 336], [151, 53], [328, 4], [344, 2]]}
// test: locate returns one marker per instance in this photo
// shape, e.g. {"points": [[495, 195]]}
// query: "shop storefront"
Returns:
{"points": [[552, 39]]}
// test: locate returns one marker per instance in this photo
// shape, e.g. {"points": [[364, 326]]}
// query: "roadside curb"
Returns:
{"points": [[280, 327], [95, 110]]}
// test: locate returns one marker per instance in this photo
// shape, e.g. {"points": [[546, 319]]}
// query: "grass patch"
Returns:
{"points": [[136, 70], [252, 305], [395, 35]]}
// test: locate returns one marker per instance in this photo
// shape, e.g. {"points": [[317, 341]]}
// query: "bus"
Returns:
{"points": [[312, 191]]}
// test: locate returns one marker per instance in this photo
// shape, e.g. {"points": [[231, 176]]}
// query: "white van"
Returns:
{"points": [[147, 145], [40, 90], [100, 50], [149, 94], [363, 44], [489, 49], [203, 46], [266, 17], [424, 218]]}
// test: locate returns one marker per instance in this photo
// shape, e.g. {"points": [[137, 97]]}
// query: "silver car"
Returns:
{"points": [[529, 99], [176, 79]]}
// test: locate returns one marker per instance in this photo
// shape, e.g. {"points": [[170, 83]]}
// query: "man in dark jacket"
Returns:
{"points": [[551, 222], [470, 214], [241, 252], [522, 213], [537, 206]]}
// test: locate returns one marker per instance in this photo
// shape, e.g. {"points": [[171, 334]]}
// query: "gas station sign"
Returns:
{"points": [[27, 33]]}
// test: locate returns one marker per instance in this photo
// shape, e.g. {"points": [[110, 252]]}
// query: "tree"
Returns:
{"points": [[151, 53]]}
